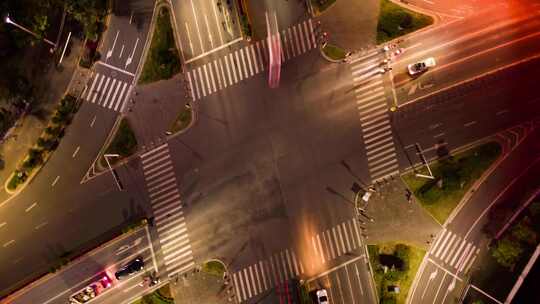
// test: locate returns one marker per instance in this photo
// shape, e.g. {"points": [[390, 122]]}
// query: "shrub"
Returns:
{"points": [[507, 252]]}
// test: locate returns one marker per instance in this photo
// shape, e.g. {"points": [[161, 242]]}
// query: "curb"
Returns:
{"points": [[12, 296], [328, 58]]}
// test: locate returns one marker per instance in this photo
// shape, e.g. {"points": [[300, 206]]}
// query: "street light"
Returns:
{"points": [[10, 21], [113, 173]]}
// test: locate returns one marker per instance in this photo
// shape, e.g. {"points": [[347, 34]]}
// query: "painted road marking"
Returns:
{"points": [[55, 181], [8, 243], [41, 225], [3, 224], [30, 207]]}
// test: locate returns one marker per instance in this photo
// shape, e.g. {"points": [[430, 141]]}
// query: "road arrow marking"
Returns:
{"points": [[412, 90], [130, 58], [431, 277], [109, 52]]}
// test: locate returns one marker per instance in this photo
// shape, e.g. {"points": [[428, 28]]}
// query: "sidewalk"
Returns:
{"points": [[351, 25], [29, 128], [200, 287], [396, 219]]}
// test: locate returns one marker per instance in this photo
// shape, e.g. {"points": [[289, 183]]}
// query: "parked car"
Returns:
{"points": [[130, 268]]}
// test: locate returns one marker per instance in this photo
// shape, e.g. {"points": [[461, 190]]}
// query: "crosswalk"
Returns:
{"points": [[372, 106], [107, 92], [287, 264], [249, 61], [454, 251], [167, 208]]}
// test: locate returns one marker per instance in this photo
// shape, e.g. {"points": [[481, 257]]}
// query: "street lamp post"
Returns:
{"points": [[106, 156], [10, 21]]}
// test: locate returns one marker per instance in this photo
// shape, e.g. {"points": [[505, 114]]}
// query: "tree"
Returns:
{"points": [[507, 252]]}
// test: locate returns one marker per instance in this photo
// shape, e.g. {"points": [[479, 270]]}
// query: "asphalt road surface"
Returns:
{"points": [[261, 173]]}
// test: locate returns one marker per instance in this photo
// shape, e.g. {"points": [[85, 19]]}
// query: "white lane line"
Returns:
{"points": [[121, 51], [93, 121], [55, 181], [260, 57], [41, 225], [438, 135], [470, 123], [263, 274], [76, 151], [189, 38], [290, 38], [197, 26], [501, 112], [30, 207], [209, 32], [217, 22], [6, 244]]}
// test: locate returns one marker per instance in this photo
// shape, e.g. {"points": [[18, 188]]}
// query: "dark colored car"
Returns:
{"points": [[130, 268]]}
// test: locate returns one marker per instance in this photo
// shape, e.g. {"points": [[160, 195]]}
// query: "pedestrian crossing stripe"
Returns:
{"points": [[167, 210], [107, 92], [280, 266], [248, 61], [453, 251]]}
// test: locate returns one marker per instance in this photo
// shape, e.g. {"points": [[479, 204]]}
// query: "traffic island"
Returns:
{"points": [[394, 268], [319, 6], [215, 268], [122, 144], [245, 21], [395, 21], [162, 60], [46, 144], [159, 296], [333, 53], [183, 120], [453, 176]]}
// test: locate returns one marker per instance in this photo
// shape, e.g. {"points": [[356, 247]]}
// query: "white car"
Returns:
{"points": [[422, 66], [322, 296]]}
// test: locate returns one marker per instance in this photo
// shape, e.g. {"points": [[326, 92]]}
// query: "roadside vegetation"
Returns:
{"points": [[163, 59], [183, 119], [46, 143], [394, 267], [454, 175], [245, 24], [160, 296], [124, 142], [508, 255], [319, 6], [395, 21], [214, 268], [334, 52]]}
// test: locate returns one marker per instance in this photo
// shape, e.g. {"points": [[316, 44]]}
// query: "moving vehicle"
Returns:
{"points": [[130, 268], [91, 291], [421, 66], [322, 296]]}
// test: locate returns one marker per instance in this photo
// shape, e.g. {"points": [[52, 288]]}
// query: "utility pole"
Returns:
{"points": [[8, 20]]}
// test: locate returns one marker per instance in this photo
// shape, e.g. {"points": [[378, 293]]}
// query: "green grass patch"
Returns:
{"points": [[162, 61], [321, 5], [160, 296], [214, 268], [402, 262], [453, 177], [124, 142], [182, 121], [395, 21], [334, 52]]}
